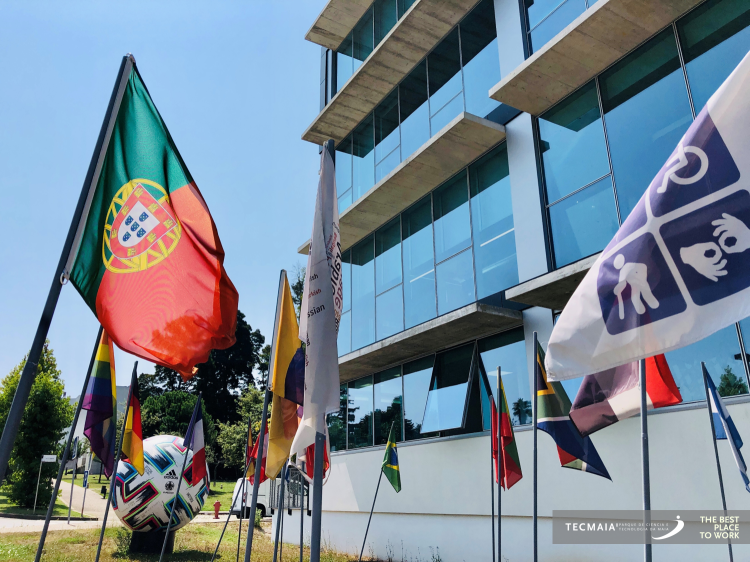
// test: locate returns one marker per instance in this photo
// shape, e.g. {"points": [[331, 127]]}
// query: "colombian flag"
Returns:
{"points": [[100, 400], [287, 381], [132, 439], [149, 262]]}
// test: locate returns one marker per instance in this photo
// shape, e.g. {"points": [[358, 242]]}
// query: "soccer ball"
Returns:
{"points": [[143, 503]]}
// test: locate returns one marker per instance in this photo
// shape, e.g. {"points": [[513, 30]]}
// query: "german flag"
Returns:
{"points": [[132, 439]]}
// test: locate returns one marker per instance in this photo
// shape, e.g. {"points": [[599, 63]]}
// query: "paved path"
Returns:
{"points": [[94, 506]]}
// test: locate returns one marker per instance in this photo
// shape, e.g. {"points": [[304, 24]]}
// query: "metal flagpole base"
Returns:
{"points": [[317, 510], [151, 543]]}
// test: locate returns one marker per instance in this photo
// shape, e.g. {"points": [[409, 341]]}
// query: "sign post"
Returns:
{"points": [[45, 458]]}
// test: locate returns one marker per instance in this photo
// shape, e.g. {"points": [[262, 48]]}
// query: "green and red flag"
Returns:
{"points": [[390, 465], [148, 260], [509, 471]]}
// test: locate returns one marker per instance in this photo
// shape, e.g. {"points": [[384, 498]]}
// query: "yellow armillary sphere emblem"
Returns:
{"points": [[141, 228]]}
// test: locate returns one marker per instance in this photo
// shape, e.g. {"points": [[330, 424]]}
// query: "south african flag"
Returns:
{"points": [[390, 461]]}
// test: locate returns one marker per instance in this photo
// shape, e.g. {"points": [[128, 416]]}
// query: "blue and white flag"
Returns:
{"points": [[678, 269], [725, 429]]}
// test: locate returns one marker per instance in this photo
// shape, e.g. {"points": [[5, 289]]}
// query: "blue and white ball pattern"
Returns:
{"points": [[143, 503]]}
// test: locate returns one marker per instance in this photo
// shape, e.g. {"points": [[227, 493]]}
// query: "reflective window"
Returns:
{"points": [[721, 353], [492, 223], [363, 141], [444, 76], [362, 39], [344, 173], [446, 400], [344, 340], [549, 17], [480, 58], [387, 153], [346, 278], [647, 88], [451, 210], [572, 143], [389, 313], [344, 62], [507, 351], [584, 223], [714, 37], [388, 256], [415, 117], [455, 282], [403, 6], [417, 375], [387, 404], [359, 413], [419, 265], [386, 16], [337, 424], [363, 294]]}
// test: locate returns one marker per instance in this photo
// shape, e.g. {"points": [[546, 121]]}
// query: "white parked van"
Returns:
{"points": [[263, 495]]}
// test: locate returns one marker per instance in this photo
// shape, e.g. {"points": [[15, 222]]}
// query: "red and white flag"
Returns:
{"points": [[194, 440], [252, 456]]}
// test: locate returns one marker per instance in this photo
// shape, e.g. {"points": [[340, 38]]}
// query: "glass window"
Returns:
{"points": [[721, 353], [572, 143], [714, 37], [337, 424], [363, 141], [451, 210], [419, 265], [480, 58], [359, 413], [492, 223], [389, 313], [363, 36], [344, 63], [583, 223], [647, 111], [344, 173], [415, 119], [446, 400], [386, 17], [346, 279], [417, 375], [403, 6], [387, 404], [344, 339], [552, 24], [387, 153], [508, 352], [444, 73], [363, 293], [388, 256], [455, 282]]}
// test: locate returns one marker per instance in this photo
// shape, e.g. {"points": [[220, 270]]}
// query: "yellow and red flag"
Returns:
{"points": [[132, 439]]}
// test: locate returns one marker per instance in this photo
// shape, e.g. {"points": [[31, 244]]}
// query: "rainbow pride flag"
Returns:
{"points": [[100, 401]]}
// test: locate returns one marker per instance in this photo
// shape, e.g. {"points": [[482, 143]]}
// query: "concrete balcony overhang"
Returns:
{"points": [[457, 145], [554, 289], [336, 21], [598, 38], [473, 321], [418, 31]]}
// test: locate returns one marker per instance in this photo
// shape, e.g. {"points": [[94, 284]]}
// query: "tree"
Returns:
{"points": [[731, 384], [522, 410], [148, 386], [47, 415], [298, 286], [263, 366], [170, 413], [233, 436]]}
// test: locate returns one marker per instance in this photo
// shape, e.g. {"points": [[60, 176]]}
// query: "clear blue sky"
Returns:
{"points": [[236, 83]]}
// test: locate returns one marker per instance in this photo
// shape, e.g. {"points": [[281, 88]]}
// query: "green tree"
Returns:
{"points": [[263, 366], [297, 283], [47, 415], [731, 384], [522, 410], [148, 386], [233, 436]]}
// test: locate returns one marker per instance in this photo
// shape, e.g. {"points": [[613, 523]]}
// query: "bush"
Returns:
{"points": [[122, 542], [258, 518]]}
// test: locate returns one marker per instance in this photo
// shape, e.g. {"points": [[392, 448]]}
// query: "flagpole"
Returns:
{"points": [[229, 515], [499, 465], [66, 452], [536, 404], [280, 513], [645, 461], [262, 433], [179, 483], [118, 450], [301, 516], [371, 510], [492, 489], [243, 501], [73, 480], [716, 453], [29, 372]]}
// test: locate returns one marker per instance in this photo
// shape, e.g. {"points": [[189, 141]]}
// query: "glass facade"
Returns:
{"points": [[603, 144], [455, 76], [547, 18], [451, 248]]}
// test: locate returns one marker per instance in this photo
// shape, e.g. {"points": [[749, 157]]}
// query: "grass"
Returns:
{"points": [[221, 490], [93, 481], [60, 509], [194, 543]]}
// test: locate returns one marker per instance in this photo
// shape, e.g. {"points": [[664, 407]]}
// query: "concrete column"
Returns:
{"points": [[509, 35], [540, 320]]}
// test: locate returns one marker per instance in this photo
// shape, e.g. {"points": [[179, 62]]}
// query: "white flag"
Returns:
{"points": [[320, 313], [678, 269]]}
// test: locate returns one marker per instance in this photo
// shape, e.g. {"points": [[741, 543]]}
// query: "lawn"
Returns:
{"points": [[7, 507], [221, 490], [93, 481], [194, 543]]}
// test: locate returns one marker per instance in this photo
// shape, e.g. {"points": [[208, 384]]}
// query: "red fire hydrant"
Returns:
{"points": [[217, 505]]}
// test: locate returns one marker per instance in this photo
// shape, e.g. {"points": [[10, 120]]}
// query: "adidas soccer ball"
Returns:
{"points": [[143, 503]]}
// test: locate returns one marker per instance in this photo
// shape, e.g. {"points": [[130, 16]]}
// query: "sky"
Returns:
{"points": [[236, 84]]}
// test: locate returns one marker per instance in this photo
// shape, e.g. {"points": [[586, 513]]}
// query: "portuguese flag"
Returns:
{"points": [[510, 465], [149, 262]]}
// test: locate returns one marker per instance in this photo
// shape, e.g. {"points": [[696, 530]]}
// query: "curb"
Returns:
{"points": [[42, 517]]}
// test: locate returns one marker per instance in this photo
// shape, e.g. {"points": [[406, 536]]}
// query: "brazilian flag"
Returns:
{"points": [[390, 462]]}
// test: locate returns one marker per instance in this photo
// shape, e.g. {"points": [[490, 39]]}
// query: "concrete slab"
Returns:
{"points": [[418, 31], [459, 143], [598, 38], [336, 22], [552, 290], [473, 321]]}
